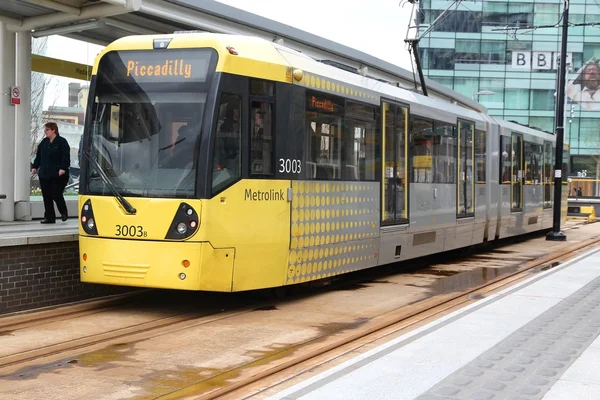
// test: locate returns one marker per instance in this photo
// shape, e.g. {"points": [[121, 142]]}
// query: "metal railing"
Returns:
{"points": [[74, 185]]}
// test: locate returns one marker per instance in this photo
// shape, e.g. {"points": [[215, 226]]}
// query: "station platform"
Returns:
{"points": [[39, 266], [535, 340], [21, 233]]}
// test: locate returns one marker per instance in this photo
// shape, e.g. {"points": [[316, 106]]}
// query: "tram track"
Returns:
{"points": [[260, 374], [64, 312], [128, 333]]}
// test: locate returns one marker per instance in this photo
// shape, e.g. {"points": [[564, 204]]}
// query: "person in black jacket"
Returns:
{"points": [[52, 164]]}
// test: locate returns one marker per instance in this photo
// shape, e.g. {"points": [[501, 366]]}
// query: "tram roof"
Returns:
{"points": [[103, 21]]}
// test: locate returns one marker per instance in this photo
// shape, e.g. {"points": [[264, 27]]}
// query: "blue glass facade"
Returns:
{"points": [[469, 53]]}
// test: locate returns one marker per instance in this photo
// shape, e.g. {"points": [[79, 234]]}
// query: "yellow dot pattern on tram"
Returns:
{"points": [[334, 229]]}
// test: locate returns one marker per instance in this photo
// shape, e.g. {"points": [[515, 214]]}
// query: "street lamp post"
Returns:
{"points": [[482, 92], [556, 234]]}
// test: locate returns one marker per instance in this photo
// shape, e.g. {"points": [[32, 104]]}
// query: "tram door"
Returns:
{"points": [[465, 189], [394, 196], [517, 176]]}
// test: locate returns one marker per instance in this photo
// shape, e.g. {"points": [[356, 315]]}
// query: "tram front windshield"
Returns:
{"points": [[147, 112]]}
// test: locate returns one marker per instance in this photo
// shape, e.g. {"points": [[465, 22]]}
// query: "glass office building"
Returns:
{"points": [[469, 51]]}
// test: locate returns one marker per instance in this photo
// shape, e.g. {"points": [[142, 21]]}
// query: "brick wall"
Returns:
{"points": [[41, 275]]}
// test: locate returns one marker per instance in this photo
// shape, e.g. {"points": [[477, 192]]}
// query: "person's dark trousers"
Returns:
{"points": [[52, 191]]}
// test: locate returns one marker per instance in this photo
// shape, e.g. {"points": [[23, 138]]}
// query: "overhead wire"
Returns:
{"points": [[414, 42]]}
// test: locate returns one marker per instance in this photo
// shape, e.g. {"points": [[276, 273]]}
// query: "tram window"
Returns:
{"points": [[115, 127], [465, 189], [395, 188], [360, 111], [261, 145], [421, 150], [480, 156], [444, 153], [505, 159], [548, 178], [539, 155], [226, 158], [324, 117], [359, 144], [517, 172], [533, 162], [261, 88]]}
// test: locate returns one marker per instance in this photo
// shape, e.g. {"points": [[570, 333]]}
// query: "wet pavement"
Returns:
{"points": [[205, 352]]}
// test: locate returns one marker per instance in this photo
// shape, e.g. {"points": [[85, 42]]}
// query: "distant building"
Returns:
{"points": [[82, 97], [78, 94], [469, 51], [514, 73], [72, 133], [69, 115], [74, 94]]}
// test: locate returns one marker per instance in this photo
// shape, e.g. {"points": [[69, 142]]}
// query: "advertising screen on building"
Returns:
{"points": [[584, 89]]}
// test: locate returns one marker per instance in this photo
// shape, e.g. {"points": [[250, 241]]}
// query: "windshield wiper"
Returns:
{"points": [[126, 205], [171, 145]]}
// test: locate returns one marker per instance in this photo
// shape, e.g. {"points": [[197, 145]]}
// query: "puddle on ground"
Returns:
{"points": [[452, 281], [351, 287], [438, 272], [550, 266], [475, 296], [101, 360], [337, 327], [187, 381], [544, 267], [500, 251], [266, 308]]}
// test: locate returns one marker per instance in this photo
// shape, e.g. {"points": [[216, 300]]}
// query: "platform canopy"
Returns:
{"points": [[103, 21]]}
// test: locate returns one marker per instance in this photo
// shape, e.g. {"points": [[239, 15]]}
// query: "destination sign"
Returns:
{"points": [[169, 68], [317, 102], [323, 104], [181, 65]]}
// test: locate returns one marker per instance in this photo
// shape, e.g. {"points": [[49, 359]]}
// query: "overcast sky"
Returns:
{"points": [[376, 27]]}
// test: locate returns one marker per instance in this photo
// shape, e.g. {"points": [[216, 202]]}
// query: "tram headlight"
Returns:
{"points": [[181, 228], [185, 223], [87, 220]]}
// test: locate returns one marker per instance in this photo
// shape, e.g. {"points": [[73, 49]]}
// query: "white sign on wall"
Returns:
{"points": [[539, 60]]}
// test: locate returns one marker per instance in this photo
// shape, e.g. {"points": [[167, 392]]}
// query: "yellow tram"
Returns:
{"points": [[150, 219], [229, 163]]}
